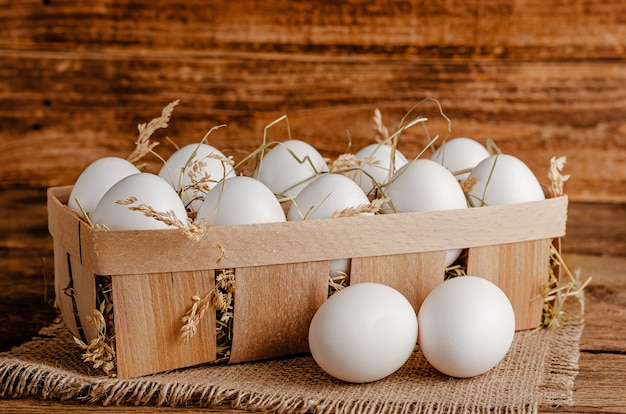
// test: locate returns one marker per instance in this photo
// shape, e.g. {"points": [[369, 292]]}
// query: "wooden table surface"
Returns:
{"points": [[595, 243]]}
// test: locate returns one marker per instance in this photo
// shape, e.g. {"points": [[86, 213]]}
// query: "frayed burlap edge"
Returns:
{"points": [[24, 377], [19, 379], [558, 387]]}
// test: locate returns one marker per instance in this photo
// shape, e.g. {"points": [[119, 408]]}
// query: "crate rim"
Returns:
{"points": [[116, 251]]}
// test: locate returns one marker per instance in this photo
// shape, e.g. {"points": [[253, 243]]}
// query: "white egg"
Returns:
{"points": [[466, 326], [208, 160], [503, 179], [148, 189], [363, 333], [321, 199], [240, 200], [327, 194], [376, 170], [458, 154], [289, 166], [95, 180], [425, 185]]}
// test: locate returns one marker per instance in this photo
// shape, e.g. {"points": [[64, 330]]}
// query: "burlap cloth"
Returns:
{"points": [[538, 371]]}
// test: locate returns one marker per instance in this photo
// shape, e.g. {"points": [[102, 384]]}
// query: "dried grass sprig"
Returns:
{"points": [[348, 162], [222, 252], [351, 166], [455, 270], [467, 184], [372, 207], [337, 282], [199, 178], [200, 181], [100, 351], [84, 213], [379, 127], [556, 176], [559, 289], [404, 125], [492, 148], [167, 217], [256, 156], [195, 230], [221, 299], [193, 316], [459, 267], [254, 160], [423, 120], [143, 145]]}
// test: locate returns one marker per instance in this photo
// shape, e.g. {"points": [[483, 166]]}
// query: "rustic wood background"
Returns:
{"points": [[540, 77]]}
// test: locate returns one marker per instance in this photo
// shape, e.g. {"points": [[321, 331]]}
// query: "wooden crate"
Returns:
{"points": [[281, 270]]}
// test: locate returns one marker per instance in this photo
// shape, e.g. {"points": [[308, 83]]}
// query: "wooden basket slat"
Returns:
{"points": [[62, 282], [413, 274], [556, 242], [64, 227], [520, 270], [272, 318], [148, 311], [85, 296]]}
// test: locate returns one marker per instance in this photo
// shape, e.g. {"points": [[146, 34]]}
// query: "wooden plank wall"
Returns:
{"points": [[540, 77]]}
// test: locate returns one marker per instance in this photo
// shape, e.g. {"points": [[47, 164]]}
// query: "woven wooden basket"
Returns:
{"points": [[281, 271]]}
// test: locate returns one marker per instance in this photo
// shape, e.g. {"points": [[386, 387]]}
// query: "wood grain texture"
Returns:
{"points": [[600, 386], [272, 319], [84, 287], [148, 313], [26, 266], [413, 275], [78, 77], [499, 28], [63, 289], [114, 252], [606, 219], [519, 269], [605, 310]]}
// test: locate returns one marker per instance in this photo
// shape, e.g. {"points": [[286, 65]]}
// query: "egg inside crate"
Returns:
{"points": [[289, 166], [425, 185], [201, 160], [148, 189], [503, 179], [321, 199], [376, 170], [240, 200], [363, 333], [466, 326], [458, 154], [95, 180]]}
